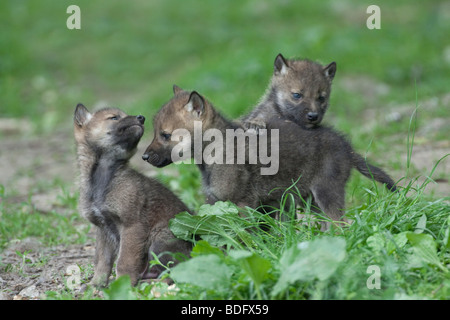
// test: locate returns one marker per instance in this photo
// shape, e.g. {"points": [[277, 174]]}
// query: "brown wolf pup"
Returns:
{"points": [[299, 91], [131, 211], [320, 160]]}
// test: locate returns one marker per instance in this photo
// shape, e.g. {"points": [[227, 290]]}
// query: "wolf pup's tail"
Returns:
{"points": [[371, 171]]}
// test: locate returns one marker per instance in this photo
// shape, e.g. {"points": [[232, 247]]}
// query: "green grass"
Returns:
{"points": [[403, 234], [405, 237], [22, 220], [130, 55]]}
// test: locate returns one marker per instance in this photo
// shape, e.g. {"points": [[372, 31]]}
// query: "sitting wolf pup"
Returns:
{"points": [[320, 160], [299, 91], [131, 211]]}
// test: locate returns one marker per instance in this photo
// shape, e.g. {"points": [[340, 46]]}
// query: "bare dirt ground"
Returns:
{"points": [[28, 165]]}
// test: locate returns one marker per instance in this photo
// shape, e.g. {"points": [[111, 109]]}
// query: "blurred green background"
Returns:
{"points": [[130, 53]]}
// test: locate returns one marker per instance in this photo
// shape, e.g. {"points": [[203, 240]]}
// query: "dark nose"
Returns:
{"points": [[312, 116], [145, 156], [141, 119]]}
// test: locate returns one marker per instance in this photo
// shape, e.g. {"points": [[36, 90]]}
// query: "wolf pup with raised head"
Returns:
{"points": [[320, 159], [131, 211], [299, 91]]}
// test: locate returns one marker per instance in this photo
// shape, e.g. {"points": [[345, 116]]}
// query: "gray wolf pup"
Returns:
{"points": [[320, 160], [131, 212], [299, 91]]}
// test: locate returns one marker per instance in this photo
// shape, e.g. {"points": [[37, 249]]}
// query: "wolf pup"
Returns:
{"points": [[319, 160], [131, 211], [299, 91]]}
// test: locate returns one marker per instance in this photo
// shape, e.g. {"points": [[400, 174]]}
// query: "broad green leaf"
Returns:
{"points": [[376, 242], [254, 266], [421, 224], [216, 240], [203, 247], [399, 241], [240, 254], [317, 259], [424, 247], [212, 224], [208, 272], [219, 208], [120, 289], [185, 226]]}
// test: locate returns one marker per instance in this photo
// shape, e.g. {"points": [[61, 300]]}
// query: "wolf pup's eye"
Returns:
{"points": [[113, 118], [166, 136], [297, 96]]}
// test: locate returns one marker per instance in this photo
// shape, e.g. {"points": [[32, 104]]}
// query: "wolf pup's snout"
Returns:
{"points": [[141, 119], [152, 158], [312, 116]]}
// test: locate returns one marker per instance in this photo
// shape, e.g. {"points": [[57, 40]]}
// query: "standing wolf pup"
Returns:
{"points": [[320, 159], [131, 211], [299, 91]]}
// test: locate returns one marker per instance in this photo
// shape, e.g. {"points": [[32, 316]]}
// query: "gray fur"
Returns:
{"points": [[320, 159], [130, 211], [299, 91]]}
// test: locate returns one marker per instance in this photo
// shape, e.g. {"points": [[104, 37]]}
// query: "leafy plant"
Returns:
{"points": [[425, 249], [392, 232], [120, 289], [206, 271], [307, 261]]}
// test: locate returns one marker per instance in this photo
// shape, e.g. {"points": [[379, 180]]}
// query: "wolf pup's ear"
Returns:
{"points": [[280, 65], [82, 115], [176, 89], [196, 104], [330, 70]]}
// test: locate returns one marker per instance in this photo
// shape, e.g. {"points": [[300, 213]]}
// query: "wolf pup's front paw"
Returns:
{"points": [[254, 126]]}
